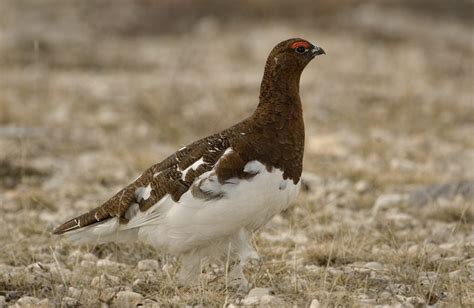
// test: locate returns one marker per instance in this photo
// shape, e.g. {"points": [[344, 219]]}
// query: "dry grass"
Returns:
{"points": [[85, 107]]}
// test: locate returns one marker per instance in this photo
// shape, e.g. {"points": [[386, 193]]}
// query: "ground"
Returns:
{"points": [[386, 212]]}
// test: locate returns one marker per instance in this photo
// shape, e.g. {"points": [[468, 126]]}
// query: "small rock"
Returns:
{"points": [[104, 281], [259, 292], [389, 200], [447, 246], [335, 272], [454, 259], [454, 275], [128, 299], [413, 249], [250, 301], [415, 300], [108, 263], [74, 293], [148, 265], [271, 301], [261, 296], [43, 303], [314, 268], [88, 264], [149, 303], [89, 257], [469, 264], [366, 300], [375, 266], [167, 268], [361, 186], [314, 304], [28, 301], [69, 302], [385, 295]]}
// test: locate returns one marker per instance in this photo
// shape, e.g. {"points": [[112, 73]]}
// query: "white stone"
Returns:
{"points": [[455, 275], [28, 301], [335, 271], [69, 302], [314, 304], [88, 264], [385, 295], [108, 263], [259, 292], [361, 186], [374, 266], [128, 299], [89, 257], [454, 259], [167, 268], [271, 300], [148, 265], [250, 301], [74, 293], [104, 281], [264, 296], [389, 200]]}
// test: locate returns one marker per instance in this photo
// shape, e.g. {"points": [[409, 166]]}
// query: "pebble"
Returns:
{"points": [[28, 301], [272, 301], [128, 299], [109, 263], [469, 264], [69, 302], [361, 186], [335, 272], [148, 265], [167, 268], [454, 259], [263, 296], [88, 264], [258, 292], [374, 266], [250, 301], [454, 275], [314, 304], [74, 293], [104, 280], [314, 268], [389, 200], [413, 249], [89, 257], [385, 295]]}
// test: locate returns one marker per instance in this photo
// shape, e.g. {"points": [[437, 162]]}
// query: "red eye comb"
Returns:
{"points": [[299, 44]]}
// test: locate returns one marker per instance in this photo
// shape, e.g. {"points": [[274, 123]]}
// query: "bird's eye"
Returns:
{"points": [[301, 49]]}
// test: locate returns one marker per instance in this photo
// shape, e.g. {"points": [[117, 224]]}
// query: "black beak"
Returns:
{"points": [[316, 51]]}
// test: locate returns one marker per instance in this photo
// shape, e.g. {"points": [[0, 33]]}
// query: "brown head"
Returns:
{"points": [[284, 67], [293, 54]]}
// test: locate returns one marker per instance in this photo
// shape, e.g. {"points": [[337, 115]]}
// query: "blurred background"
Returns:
{"points": [[94, 92]]}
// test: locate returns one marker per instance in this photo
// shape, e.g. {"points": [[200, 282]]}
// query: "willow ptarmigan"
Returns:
{"points": [[206, 200]]}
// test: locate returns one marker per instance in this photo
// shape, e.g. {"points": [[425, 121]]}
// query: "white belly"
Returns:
{"points": [[192, 222]]}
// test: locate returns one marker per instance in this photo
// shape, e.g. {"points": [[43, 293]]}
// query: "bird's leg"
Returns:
{"points": [[245, 251], [190, 271]]}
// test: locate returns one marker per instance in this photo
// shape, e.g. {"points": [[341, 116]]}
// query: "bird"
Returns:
{"points": [[205, 201]]}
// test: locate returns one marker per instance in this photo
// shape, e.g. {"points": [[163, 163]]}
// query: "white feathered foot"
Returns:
{"points": [[233, 252]]}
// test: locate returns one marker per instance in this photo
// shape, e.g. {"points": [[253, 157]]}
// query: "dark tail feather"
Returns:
{"points": [[89, 218]]}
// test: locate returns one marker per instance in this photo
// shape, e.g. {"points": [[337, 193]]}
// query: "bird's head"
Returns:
{"points": [[294, 53]]}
